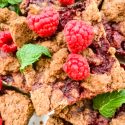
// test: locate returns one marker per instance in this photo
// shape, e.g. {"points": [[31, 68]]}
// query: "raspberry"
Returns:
{"points": [[6, 42], [76, 67], [78, 35], [66, 2], [1, 121], [45, 24]]}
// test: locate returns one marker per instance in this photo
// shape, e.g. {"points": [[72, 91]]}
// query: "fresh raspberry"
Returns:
{"points": [[1, 85], [45, 24], [1, 121], [76, 67], [67, 2], [6, 42], [78, 35]]}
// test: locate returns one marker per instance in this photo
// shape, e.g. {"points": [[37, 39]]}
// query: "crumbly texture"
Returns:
{"points": [[104, 79], [7, 16], [20, 32], [49, 86], [114, 80], [82, 113], [57, 121], [40, 97], [98, 2], [18, 80], [91, 13], [113, 10], [17, 25], [8, 64], [113, 17], [55, 70], [15, 108], [119, 120], [30, 75]]}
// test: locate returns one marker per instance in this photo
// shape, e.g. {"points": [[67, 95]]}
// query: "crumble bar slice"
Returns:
{"points": [[15, 108], [82, 113], [106, 76], [17, 25], [114, 23]]}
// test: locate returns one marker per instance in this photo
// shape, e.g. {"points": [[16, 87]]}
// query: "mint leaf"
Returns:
{"points": [[30, 53], [12, 2], [3, 3], [108, 103]]}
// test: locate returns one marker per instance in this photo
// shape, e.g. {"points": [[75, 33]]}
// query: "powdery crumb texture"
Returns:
{"points": [[17, 25], [30, 76], [81, 113], [91, 13], [41, 99], [65, 93], [15, 108], [55, 70], [57, 121], [114, 10], [18, 80], [114, 23], [51, 88], [119, 120], [20, 32], [9, 67], [98, 1], [8, 64], [7, 16], [52, 97], [101, 83]]}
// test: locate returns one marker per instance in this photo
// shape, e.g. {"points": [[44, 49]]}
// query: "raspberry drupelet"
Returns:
{"points": [[76, 67], [44, 24], [6, 42], [66, 2], [78, 35]]}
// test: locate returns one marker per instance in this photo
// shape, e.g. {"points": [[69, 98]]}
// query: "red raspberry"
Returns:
{"points": [[1, 121], [76, 67], [45, 24], [66, 2], [78, 35], [6, 42]]}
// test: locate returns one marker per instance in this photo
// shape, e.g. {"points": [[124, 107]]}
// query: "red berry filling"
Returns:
{"points": [[1, 85], [66, 2], [115, 37], [101, 50], [68, 13], [76, 67], [6, 42], [72, 90]]}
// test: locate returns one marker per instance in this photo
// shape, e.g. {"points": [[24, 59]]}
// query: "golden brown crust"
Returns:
{"points": [[15, 108], [113, 10], [20, 32], [8, 64], [119, 120]]}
